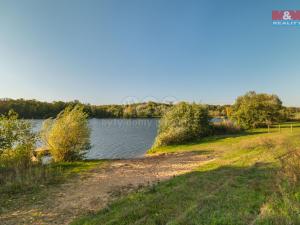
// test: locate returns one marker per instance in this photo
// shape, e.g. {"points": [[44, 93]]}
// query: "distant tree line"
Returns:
{"points": [[33, 109]]}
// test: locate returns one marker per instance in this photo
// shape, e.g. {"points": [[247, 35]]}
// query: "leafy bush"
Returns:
{"points": [[16, 142], [226, 127], [68, 136], [184, 122], [256, 110]]}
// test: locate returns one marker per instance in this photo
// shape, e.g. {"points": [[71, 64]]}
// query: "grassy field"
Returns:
{"points": [[31, 190], [242, 185]]}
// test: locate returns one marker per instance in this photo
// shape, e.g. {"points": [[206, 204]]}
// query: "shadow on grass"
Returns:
{"points": [[226, 195]]}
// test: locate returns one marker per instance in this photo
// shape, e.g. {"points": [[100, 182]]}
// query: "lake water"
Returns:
{"points": [[118, 138]]}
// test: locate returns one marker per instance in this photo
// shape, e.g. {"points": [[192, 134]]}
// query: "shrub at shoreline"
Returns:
{"points": [[184, 122], [67, 136]]}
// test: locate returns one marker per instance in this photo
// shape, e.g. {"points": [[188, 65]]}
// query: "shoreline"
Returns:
{"points": [[94, 189]]}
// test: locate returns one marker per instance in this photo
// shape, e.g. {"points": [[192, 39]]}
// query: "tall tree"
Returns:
{"points": [[254, 110]]}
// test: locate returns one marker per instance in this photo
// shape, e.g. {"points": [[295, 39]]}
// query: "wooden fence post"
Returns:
{"points": [[279, 128]]}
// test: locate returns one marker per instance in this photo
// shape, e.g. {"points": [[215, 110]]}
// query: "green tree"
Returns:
{"points": [[130, 111], [68, 136], [17, 141], [256, 110], [183, 122]]}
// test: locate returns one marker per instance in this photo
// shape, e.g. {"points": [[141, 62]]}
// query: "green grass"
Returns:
{"points": [[32, 185], [31, 179], [71, 168], [232, 189]]}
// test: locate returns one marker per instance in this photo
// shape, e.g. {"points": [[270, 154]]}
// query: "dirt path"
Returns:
{"points": [[93, 190]]}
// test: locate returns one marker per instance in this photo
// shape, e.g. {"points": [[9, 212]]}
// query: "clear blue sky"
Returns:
{"points": [[103, 51]]}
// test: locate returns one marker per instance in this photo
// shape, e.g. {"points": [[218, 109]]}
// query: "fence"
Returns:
{"points": [[280, 127]]}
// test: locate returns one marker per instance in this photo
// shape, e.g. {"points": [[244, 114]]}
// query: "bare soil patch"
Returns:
{"points": [[93, 190]]}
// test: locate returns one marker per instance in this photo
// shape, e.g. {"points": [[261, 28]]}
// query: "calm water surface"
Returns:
{"points": [[118, 138]]}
